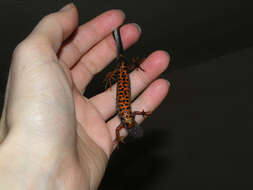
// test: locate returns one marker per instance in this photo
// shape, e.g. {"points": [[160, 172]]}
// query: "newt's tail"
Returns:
{"points": [[117, 38]]}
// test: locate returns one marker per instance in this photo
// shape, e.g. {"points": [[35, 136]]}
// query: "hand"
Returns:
{"points": [[51, 136]]}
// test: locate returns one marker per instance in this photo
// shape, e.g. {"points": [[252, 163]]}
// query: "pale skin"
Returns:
{"points": [[51, 136]]}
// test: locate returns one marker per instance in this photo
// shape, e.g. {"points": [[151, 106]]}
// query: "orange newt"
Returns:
{"points": [[123, 96]]}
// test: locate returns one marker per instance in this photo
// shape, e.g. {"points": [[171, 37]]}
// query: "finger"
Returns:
{"points": [[149, 100], [54, 28], [154, 65], [89, 34], [101, 55], [92, 123]]}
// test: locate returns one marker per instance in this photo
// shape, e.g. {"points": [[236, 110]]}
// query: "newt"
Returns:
{"points": [[123, 93]]}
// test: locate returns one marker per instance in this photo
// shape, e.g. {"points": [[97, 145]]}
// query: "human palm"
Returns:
{"points": [[55, 136]]}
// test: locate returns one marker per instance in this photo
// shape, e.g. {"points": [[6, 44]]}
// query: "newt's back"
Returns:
{"points": [[123, 92]]}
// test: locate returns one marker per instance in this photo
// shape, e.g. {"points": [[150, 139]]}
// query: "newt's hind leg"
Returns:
{"points": [[143, 113], [110, 78], [118, 137]]}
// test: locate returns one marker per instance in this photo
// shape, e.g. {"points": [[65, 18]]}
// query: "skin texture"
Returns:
{"points": [[51, 136], [124, 93]]}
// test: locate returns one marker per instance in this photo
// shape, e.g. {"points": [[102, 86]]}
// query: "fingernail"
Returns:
{"points": [[122, 12], [67, 7], [169, 83], [137, 26], [166, 52]]}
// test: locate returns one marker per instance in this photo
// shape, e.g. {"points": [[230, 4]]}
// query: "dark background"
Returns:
{"points": [[201, 136]]}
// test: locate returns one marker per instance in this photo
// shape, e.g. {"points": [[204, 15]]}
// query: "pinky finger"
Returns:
{"points": [[148, 101]]}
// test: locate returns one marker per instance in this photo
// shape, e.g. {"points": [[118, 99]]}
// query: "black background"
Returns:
{"points": [[201, 136]]}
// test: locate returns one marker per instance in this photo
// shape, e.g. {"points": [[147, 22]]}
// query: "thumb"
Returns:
{"points": [[56, 27], [52, 29], [37, 86]]}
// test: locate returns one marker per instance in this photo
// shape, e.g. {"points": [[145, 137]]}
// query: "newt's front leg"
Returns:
{"points": [[136, 62], [110, 78]]}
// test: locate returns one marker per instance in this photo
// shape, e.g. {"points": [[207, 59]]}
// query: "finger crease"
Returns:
{"points": [[76, 47], [90, 66]]}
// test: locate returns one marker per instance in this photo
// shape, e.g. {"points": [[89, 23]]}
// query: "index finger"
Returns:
{"points": [[55, 27], [89, 34]]}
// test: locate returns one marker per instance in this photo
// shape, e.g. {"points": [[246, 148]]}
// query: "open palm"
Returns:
{"points": [[45, 116]]}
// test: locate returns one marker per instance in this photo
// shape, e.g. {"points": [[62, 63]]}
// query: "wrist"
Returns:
{"points": [[26, 170]]}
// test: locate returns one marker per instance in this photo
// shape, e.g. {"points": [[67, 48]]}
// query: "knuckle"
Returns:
{"points": [[32, 50], [91, 67], [49, 17], [22, 49], [29, 47]]}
